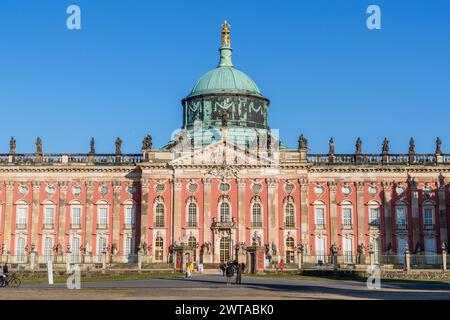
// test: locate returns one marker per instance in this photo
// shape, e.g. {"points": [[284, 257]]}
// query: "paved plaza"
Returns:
{"points": [[205, 287]]}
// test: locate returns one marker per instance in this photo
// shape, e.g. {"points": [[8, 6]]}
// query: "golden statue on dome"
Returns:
{"points": [[225, 34]]}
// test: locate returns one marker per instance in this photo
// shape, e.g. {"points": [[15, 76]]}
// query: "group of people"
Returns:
{"points": [[231, 268], [190, 268], [4, 272]]}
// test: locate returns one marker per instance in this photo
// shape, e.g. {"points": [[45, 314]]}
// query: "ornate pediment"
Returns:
{"points": [[224, 157]]}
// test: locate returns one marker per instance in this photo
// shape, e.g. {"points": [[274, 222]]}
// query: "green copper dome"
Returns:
{"points": [[225, 79]]}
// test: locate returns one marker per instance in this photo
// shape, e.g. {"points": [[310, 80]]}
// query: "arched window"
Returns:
{"points": [[192, 215], [290, 245], [289, 215], [159, 249], [256, 215], [159, 215], [225, 212]]}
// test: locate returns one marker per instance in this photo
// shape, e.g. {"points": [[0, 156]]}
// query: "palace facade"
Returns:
{"points": [[224, 183]]}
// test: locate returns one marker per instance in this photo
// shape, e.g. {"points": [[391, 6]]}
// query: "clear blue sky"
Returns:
{"points": [[125, 72]]}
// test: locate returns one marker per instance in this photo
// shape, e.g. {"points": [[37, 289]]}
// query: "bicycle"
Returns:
{"points": [[10, 281]]}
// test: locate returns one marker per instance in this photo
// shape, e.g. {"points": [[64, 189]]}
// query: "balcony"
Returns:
{"points": [[49, 226], [75, 226], [21, 226], [158, 225], [102, 226], [429, 226], [374, 224], [319, 226], [347, 226]]}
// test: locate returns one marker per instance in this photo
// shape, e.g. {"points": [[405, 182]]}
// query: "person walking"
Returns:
{"points": [[192, 267], [229, 272], [243, 267], [282, 265], [238, 273], [223, 268], [188, 271]]}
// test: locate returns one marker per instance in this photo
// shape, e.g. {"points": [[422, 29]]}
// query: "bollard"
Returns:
{"points": [[139, 261], [444, 260], [300, 261]]}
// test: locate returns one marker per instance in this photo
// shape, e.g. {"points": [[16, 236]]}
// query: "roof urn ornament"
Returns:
{"points": [[147, 143], [358, 146], [412, 146], [118, 146], [12, 146], [38, 146], [331, 146], [438, 146], [385, 149], [92, 145]]}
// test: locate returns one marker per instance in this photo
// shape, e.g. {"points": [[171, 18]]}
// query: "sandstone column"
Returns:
{"points": [[360, 214], [176, 223], [207, 220], [144, 210], [415, 214], [387, 188], [304, 215], [242, 211], [89, 215], [116, 214], [333, 214], [272, 207], [35, 205], [62, 214], [8, 212], [442, 213]]}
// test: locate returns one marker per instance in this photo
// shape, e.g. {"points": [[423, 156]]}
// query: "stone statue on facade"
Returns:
{"points": [[334, 249], [256, 239], [385, 149], [118, 145], [38, 145], [412, 146], [438, 146], [12, 146], [331, 146], [92, 144], [147, 143], [389, 248], [358, 146], [302, 142], [224, 118]]}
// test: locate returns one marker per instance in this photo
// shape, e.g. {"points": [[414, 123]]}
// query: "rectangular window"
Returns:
{"points": [[374, 216], [428, 217], [401, 218], [320, 250], [48, 248], [49, 215], [320, 217], [22, 214], [103, 218], [75, 250], [76, 217], [347, 216], [129, 216]]}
